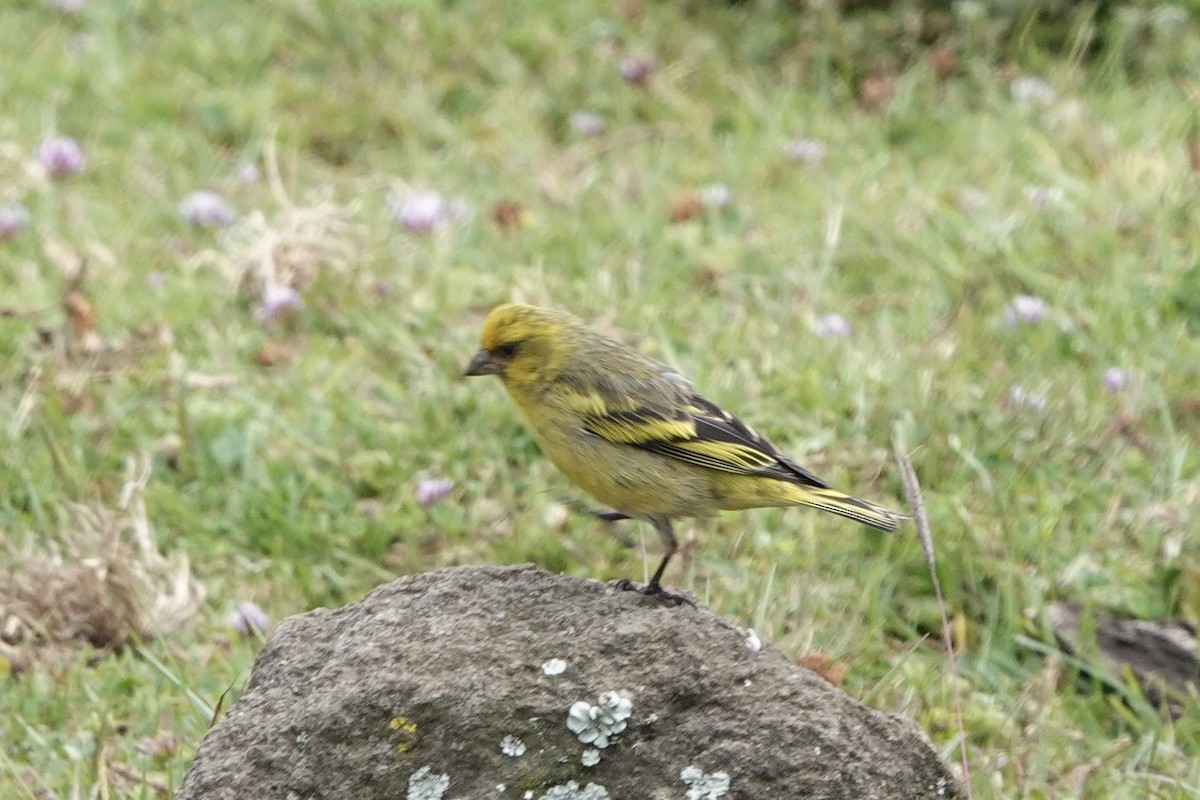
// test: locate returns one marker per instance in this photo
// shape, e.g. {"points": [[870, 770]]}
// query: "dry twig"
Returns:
{"points": [[916, 506]]}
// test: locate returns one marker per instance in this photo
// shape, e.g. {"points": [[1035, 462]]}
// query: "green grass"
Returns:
{"points": [[293, 485]]}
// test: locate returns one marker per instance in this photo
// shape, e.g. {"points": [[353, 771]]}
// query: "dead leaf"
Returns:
{"points": [[511, 214], [79, 310], [273, 352], [685, 208], [829, 669], [79, 403], [875, 92], [83, 320], [705, 278], [944, 62], [1189, 407]]}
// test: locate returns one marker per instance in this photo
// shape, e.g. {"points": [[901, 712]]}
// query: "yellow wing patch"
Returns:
{"points": [[725, 456], [589, 404], [641, 427], [699, 433]]}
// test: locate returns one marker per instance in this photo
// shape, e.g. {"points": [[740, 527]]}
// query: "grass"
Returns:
{"points": [[284, 456]]}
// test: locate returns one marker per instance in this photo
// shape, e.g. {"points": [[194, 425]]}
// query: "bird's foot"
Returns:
{"points": [[655, 590]]}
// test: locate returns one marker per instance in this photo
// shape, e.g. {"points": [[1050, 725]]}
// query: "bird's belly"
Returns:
{"points": [[630, 480]]}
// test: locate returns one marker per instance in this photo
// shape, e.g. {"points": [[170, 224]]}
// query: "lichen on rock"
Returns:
{"points": [[598, 724], [571, 791], [704, 786], [417, 687], [425, 784]]}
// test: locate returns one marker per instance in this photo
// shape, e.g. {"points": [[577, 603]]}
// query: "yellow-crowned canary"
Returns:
{"points": [[636, 435]]}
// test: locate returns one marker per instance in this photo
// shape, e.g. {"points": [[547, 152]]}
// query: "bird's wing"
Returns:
{"points": [[674, 420]]}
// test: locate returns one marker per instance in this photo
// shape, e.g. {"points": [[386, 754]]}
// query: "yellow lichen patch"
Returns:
{"points": [[406, 731]]}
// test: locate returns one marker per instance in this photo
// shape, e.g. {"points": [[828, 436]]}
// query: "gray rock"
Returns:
{"points": [[423, 690]]}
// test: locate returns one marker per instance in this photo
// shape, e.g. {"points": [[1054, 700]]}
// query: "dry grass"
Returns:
{"points": [[288, 249], [100, 582]]}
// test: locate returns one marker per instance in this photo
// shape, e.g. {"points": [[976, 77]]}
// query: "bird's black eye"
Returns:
{"points": [[505, 351]]}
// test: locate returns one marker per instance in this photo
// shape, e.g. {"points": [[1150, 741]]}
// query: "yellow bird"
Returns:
{"points": [[636, 435]]}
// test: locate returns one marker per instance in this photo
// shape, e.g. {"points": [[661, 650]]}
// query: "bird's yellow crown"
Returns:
{"points": [[513, 323]]}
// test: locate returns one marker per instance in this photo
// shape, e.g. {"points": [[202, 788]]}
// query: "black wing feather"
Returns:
{"points": [[713, 424]]}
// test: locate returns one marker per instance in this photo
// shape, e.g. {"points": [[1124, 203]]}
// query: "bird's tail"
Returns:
{"points": [[844, 505]]}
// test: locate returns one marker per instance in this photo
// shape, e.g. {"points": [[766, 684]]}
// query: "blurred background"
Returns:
{"points": [[246, 249]]}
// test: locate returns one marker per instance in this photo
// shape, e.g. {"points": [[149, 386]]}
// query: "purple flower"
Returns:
{"points": [[13, 219], [587, 123], [805, 151], [1030, 91], [1043, 198], [637, 69], [277, 301], [431, 490], [60, 156], [419, 212], [249, 620], [832, 326], [206, 209], [716, 195], [246, 172], [70, 6], [1114, 379], [1025, 308]]}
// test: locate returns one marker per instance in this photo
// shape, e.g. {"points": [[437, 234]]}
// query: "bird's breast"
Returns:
{"points": [[628, 479]]}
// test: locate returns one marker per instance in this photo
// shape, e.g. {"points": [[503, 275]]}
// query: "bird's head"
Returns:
{"points": [[522, 344]]}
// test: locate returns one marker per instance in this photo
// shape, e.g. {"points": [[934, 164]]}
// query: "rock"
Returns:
{"points": [[449, 686], [1162, 655]]}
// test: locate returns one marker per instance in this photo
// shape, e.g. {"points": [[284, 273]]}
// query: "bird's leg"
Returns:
{"points": [[666, 535], [654, 588]]}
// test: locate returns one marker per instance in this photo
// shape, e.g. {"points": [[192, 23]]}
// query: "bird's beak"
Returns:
{"points": [[482, 363]]}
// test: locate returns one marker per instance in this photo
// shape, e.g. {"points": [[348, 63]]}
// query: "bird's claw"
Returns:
{"points": [[655, 591]]}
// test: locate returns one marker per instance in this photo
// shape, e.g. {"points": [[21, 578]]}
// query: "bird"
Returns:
{"points": [[636, 435]]}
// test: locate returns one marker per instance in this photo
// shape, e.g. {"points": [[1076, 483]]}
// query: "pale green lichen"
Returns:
{"points": [[598, 724], [555, 666], [512, 747], [571, 791], [425, 784], [703, 785]]}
